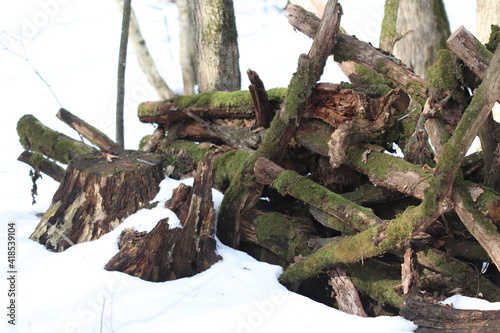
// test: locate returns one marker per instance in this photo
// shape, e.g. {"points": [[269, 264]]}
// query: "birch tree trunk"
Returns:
{"points": [[217, 46]]}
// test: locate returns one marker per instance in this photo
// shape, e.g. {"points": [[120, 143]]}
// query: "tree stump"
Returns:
{"points": [[166, 254], [98, 191]]}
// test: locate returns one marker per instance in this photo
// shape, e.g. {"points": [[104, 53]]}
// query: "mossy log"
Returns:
{"points": [[433, 317], [38, 138], [166, 254], [97, 193], [39, 162]]}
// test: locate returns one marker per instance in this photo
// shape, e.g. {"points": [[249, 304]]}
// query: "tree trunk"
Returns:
{"points": [[217, 46], [98, 191], [187, 51], [487, 13], [414, 31]]}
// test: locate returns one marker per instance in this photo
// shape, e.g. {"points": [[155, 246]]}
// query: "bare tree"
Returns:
{"points": [[217, 46]]}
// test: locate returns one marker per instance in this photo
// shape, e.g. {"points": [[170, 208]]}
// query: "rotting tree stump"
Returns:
{"points": [[98, 191], [166, 254]]}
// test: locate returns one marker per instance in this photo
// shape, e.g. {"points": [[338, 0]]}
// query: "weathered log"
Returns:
{"points": [[345, 293], [243, 192], [152, 143], [263, 114], [218, 104], [350, 48], [38, 162], [36, 137], [167, 254], [349, 217], [89, 132], [433, 317], [473, 53], [97, 193]]}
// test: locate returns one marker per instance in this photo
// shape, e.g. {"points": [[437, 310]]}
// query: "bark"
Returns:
{"points": [[345, 293], [350, 48], [38, 162], [89, 132], [217, 46], [36, 137], [144, 57], [152, 144], [263, 114], [431, 317], [167, 254], [97, 193]]}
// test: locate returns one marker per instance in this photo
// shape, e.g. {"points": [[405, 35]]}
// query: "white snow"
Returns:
{"points": [[73, 44]]}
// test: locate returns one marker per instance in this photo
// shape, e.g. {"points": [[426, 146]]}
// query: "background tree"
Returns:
{"points": [[217, 46], [488, 13], [187, 52], [414, 31]]}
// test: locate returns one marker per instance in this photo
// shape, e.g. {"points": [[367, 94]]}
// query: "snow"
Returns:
{"points": [[73, 44]]}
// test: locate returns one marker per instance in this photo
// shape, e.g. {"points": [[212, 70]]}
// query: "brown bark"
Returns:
{"points": [[432, 317], [263, 115], [89, 132], [167, 254], [43, 165], [97, 193]]}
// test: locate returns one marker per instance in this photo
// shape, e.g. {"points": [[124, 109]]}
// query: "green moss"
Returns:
{"points": [[413, 89], [143, 141], [494, 38], [227, 166], [388, 31], [378, 281], [445, 75], [287, 236], [35, 136]]}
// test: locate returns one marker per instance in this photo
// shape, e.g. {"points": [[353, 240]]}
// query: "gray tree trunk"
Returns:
{"points": [[487, 13], [187, 53], [416, 30], [217, 46]]}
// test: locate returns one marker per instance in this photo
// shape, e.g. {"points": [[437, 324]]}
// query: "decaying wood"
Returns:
{"points": [[36, 137], [168, 254], [350, 48], [348, 216], [435, 318], [345, 293], [89, 132], [263, 114], [38, 162], [409, 272], [97, 193], [473, 53], [152, 144]]}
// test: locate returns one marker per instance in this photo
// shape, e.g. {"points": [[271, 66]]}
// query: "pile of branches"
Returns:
{"points": [[311, 181]]}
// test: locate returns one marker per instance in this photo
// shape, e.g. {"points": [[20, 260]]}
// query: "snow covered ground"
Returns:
{"points": [[73, 44]]}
